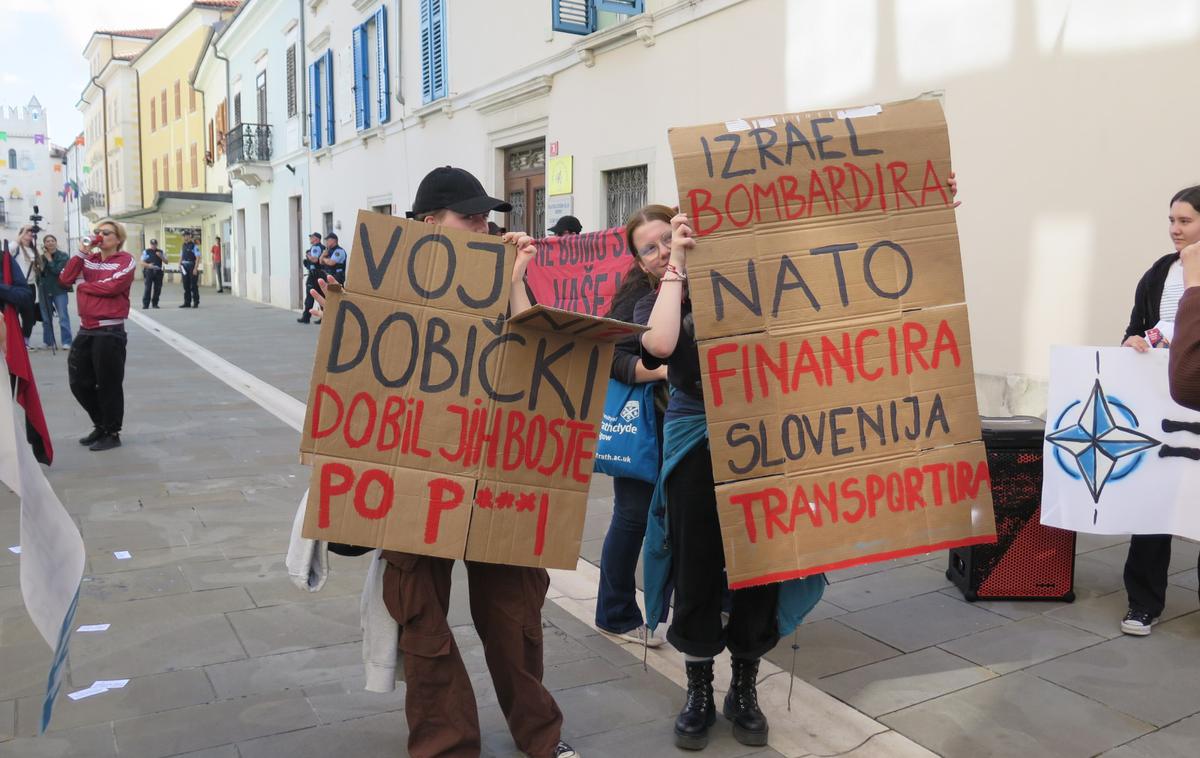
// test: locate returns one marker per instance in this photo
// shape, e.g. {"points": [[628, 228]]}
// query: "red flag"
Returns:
{"points": [[21, 374]]}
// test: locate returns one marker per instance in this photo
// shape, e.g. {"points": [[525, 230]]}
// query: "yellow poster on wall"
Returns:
{"points": [[558, 175]]}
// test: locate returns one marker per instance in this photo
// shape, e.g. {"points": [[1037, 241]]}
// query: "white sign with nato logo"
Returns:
{"points": [[1121, 457]]}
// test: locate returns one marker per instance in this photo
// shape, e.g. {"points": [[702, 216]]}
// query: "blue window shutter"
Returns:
{"points": [[381, 54], [437, 16], [573, 16], [329, 104], [628, 7], [314, 106], [362, 115], [426, 53]]}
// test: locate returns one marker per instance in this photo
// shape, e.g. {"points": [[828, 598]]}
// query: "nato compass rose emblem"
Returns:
{"points": [[1104, 450]]}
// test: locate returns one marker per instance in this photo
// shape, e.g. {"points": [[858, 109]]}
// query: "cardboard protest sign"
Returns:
{"points": [[580, 272], [434, 426], [1121, 457], [829, 309]]}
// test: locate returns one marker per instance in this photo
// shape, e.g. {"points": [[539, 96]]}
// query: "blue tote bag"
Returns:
{"points": [[628, 441]]}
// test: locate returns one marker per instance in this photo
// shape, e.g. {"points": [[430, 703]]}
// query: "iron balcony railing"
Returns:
{"points": [[90, 201], [248, 143]]}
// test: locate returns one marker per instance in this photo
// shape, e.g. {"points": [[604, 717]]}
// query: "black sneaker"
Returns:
{"points": [[186, 305], [301, 320], [1137, 623], [107, 442], [95, 434], [563, 750]]}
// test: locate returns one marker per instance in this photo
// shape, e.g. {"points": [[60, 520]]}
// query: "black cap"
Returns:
{"points": [[153, 242], [567, 224], [331, 236], [315, 234], [456, 190]]}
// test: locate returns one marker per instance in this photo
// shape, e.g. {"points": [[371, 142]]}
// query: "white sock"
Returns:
{"points": [[697, 658]]}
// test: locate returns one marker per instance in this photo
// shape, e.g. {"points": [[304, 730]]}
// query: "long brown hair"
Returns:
{"points": [[636, 273]]}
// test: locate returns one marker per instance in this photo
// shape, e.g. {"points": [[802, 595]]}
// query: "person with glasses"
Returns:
{"points": [[648, 237], [102, 274]]}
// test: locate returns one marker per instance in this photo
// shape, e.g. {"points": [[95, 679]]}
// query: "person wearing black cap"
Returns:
{"points": [[312, 268], [153, 260], [333, 260], [566, 225], [506, 601]]}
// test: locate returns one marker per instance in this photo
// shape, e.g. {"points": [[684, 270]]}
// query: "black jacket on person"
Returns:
{"points": [[1148, 297], [628, 351]]}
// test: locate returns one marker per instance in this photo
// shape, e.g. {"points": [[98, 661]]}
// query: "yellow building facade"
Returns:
{"points": [[172, 125]]}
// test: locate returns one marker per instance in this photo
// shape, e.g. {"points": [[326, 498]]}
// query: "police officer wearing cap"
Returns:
{"points": [[333, 260], [566, 225], [153, 260], [313, 271]]}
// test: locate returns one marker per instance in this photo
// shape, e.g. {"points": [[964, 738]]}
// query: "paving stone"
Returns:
{"points": [[921, 621], [134, 585], [224, 485], [212, 724], [8, 719], [140, 648], [103, 561], [828, 647], [1145, 677], [1014, 610], [1188, 579], [1015, 716], [1086, 543], [885, 587], [10, 576], [903, 681], [275, 673], [867, 569], [24, 664], [347, 699], [225, 751], [581, 672], [1102, 615], [295, 626], [95, 741], [1015, 646], [888, 745], [142, 695], [381, 735], [656, 738], [1179, 740]]}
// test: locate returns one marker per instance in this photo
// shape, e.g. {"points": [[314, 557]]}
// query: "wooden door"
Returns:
{"points": [[525, 188]]}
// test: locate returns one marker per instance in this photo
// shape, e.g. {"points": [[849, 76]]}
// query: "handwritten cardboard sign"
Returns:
{"points": [[436, 426], [580, 272], [834, 345]]}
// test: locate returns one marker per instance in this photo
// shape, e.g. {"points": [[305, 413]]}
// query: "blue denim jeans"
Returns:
{"points": [[64, 319], [616, 603]]}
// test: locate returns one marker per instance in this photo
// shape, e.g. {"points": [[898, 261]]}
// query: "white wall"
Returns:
{"points": [[1071, 124]]}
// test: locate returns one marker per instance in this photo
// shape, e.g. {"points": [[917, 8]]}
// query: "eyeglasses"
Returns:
{"points": [[653, 248], [105, 232]]}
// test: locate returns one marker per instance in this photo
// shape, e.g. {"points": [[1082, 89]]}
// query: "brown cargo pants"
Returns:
{"points": [[439, 704]]}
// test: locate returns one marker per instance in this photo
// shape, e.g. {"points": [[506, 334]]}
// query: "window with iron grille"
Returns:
{"points": [[625, 192], [291, 81]]}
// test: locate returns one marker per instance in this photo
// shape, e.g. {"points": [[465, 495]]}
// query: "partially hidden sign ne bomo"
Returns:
{"points": [[435, 426], [836, 357]]}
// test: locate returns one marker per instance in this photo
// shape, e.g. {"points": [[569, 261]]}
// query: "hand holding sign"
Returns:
{"points": [[327, 284], [518, 297], [682, 241], [952, 183], [1190, 256]]}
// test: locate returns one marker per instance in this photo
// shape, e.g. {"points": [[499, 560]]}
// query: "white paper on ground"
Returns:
{"points": [[122, 555], [81, 694], [111, 684], [94, 628], [15, 550]]}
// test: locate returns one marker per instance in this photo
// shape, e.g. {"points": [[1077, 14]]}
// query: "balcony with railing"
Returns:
{"points": [[248, 153], [93, 203]]}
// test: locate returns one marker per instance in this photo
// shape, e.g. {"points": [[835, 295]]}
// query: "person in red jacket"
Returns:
{"points": [[102, 273]]}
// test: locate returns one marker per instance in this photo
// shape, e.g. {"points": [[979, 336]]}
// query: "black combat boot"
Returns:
{"points": [[741, 704], [699, 712]]}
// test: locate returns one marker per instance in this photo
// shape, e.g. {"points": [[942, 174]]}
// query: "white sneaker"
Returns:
{"points": [[639, 635], [1137, 623]]}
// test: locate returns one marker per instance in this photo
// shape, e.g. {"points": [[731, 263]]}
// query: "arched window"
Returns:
{"points": [[12, 158]]}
